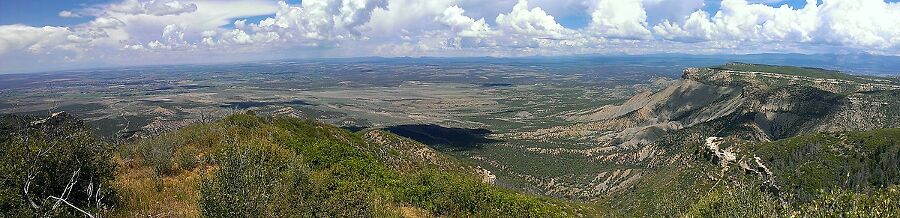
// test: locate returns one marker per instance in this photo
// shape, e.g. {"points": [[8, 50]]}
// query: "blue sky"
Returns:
{"points": [[38, 35], [42, 12]]}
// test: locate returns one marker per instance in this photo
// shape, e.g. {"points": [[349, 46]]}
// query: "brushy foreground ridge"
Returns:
{"points": [[250, 166]]}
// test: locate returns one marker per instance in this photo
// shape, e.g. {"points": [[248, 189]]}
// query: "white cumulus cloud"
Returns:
{"points": [[855, 23], [620, 19], [533, 22], [154, 7], [320, 19], [33, 39], [193, 29], [464, 26]]}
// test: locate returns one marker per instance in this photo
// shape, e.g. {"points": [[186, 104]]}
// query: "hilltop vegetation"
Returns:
{"points": [[816, 73], [838, 174], [247, 165], [767, 77], [252, 166], [857, 161]]}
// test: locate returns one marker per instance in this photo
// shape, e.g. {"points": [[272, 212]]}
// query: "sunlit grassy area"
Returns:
{"points": [[247, 165]]}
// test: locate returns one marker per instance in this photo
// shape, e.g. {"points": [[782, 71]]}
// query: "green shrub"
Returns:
{"points": [[842, 203], [49, 157], [186, 157], [456, 195], [738, 200], [254, 180], [159, 154]]}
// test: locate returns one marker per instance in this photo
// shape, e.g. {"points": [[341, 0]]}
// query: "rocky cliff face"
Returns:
{"points": [[776, 105], [742, 101]]}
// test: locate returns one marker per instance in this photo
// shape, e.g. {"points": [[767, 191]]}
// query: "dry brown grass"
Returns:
{"points": [[143, 194], [414, 212]]}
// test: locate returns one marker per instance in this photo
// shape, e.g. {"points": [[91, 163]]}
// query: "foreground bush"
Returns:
{"points": [[52, 166], [254, 180]]}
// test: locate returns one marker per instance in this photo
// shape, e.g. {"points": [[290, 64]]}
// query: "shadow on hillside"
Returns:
{"points": [[444, 137], [354, 128]]}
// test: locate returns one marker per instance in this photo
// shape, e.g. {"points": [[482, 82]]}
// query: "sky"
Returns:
{"points": [[45, 35]]}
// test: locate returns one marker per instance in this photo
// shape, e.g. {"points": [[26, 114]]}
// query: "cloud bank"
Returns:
{"points": [[173, 31]]}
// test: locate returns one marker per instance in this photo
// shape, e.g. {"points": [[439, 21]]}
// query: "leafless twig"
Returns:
{"points": [[73, 206], [68, 189]]}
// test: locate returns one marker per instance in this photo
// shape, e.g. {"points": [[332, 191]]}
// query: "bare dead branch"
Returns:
{"points": [[68, 189], [73, 206]]}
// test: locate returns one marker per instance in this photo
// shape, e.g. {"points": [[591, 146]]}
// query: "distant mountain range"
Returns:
{"points": [[852, 63]]}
